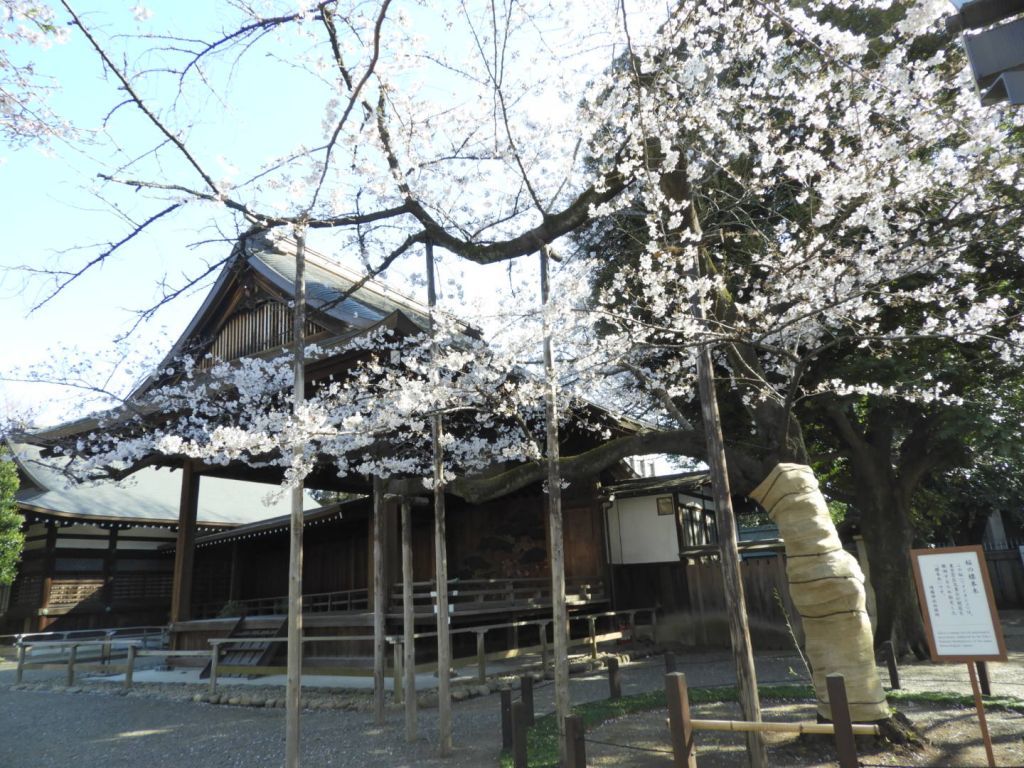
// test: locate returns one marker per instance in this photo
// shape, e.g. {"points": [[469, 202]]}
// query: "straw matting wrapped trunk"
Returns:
{"points": [[827, 587]]}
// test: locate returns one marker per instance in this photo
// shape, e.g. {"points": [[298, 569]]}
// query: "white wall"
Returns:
{"points": [[638, 534]]}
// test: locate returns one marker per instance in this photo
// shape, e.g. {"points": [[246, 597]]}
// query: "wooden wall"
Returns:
{"points": [[697, 590], [502, 539], [1006, 572], [87, 576]]}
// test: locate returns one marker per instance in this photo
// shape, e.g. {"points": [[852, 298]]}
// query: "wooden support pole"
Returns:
{"points": [[846, 747], [725, 519], [556, 538], [379, 600], [72, 655], [506, 720], [592, 629], [986, 686], [444, 648], [481, 658], [732, 578], [890, 659], [129, 671], [670, 662], [526, 696], [979, 705], [575, 745], [614, 679], [684, 752], [520, 721], [408, 623], [20, 674], [293, 684]]}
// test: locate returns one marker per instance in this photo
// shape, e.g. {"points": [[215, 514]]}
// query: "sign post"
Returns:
{"points": [[960, 616]]}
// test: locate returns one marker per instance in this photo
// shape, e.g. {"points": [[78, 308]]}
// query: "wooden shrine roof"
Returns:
{"points": [[149, 497]]}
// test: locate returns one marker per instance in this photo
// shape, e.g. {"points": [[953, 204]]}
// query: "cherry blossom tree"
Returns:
{"points": [[793, 176], [24, 114]]}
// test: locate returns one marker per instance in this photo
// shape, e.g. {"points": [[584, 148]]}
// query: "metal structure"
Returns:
{"points": [[996, 52]]}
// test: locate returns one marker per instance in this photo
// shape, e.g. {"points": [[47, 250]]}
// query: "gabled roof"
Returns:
{"points": [[149, 497], [370, 304]]}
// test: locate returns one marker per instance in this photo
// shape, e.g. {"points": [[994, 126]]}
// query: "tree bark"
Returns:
{"points": [[882, 495], [888, 537]]}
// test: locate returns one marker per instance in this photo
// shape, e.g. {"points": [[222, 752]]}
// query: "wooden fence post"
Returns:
{"points": [[21, 665], [129, 671], [684, 754], [72, 655], [526, 696], [575, 742], [986, 686], [544, 654], [890, 660], [670, 662], [214, 659], [519, 723], [506, 720], [846, 748], [481, 658], [614, 679], [591, 623], [397, 672]]}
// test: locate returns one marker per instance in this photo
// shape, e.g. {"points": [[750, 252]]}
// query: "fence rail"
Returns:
{"points": [[464, 595], [136, 647]]}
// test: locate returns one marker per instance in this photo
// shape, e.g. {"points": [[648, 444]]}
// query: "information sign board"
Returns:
{"points": [[956, 598]]}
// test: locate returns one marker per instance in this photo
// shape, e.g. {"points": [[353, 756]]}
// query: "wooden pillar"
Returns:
{"points": [[109, 565], [184, 553], [379, 600], [235, 578], [49, 567], [408, 623]]}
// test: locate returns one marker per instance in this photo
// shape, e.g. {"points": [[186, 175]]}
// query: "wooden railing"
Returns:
{"points": [[489, 595], [464, 596], [319, 602]]}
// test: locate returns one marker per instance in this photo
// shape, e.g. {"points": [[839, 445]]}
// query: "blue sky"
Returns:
{"points": [[52, 215], [51, 208]]}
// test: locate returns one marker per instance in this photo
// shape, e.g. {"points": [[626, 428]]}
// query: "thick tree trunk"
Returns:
{"points": [[827, 588], [888, 536]]}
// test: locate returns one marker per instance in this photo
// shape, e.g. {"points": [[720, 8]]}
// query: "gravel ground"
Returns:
{"points": [[162, 727], [158, 726]]}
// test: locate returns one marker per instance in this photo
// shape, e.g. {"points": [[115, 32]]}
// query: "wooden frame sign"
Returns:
{"points": [[960, 617]]}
